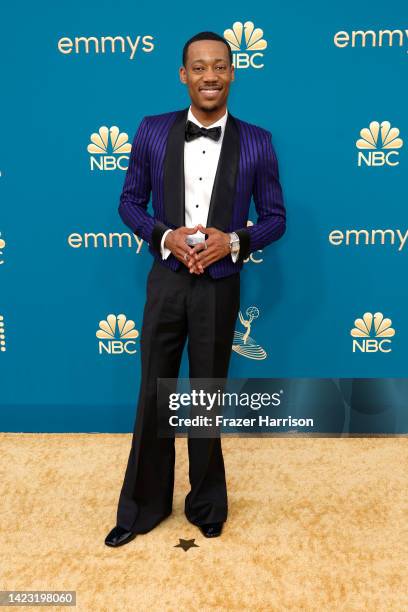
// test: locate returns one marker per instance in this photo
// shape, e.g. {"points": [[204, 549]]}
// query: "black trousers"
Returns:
{"points": [[179, 305]]}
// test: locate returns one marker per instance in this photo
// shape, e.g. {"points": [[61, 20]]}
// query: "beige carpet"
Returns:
{"points": [[314, 524]]}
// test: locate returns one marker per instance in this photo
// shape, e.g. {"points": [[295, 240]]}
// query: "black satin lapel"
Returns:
{"points": [[173, 179], [222, 196]]}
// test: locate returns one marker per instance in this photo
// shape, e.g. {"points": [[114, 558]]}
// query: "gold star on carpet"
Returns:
{"points": [[186, 544]]}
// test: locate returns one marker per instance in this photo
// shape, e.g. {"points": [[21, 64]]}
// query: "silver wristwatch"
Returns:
{"points": [[234, 242]]}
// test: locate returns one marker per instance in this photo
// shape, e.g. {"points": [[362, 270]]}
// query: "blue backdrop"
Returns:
{"points": [[328, 80]]}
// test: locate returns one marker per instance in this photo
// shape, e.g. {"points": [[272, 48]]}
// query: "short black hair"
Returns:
{"points": [[205, 36]]}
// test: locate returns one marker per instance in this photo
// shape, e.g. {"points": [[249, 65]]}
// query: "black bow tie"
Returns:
{"points": [[195, 131]]}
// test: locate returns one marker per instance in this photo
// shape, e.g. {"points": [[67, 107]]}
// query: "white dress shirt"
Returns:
{"points": [[201, 157]]}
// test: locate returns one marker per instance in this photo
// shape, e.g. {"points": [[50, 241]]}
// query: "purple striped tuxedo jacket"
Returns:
{"points": [[247, 167]]}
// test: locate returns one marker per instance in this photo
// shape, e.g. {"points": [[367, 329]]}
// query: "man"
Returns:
{"points": [[202, 165]]}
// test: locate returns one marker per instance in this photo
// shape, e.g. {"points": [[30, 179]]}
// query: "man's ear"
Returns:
{"points": [[182, 73]]}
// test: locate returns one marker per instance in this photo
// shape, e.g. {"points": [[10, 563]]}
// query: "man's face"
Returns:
{"points": [[207, 74]]}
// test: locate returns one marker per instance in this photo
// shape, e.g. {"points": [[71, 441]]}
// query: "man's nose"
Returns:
{"points": [[210, 75]]}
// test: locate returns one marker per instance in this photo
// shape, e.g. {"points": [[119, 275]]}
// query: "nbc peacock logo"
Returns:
{"points": [[243, 343], [246, 42], [117, 335], [2, 246], [372, 333], [378, 145], [109, 148]]}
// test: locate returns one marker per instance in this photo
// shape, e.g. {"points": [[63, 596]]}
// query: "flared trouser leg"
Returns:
{"points": [[209, 350], [147, 493]]}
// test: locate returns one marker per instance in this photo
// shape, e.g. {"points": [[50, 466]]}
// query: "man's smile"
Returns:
{"points": [[210, 91]]}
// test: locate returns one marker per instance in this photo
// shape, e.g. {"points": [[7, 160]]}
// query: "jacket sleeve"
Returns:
{"points": [[268, 198], [136, 191]]}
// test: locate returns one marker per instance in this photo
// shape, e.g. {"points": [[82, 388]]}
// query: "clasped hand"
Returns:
{"points": [[202, 254]]}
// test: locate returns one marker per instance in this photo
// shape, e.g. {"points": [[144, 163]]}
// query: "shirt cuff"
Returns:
{"points": [[165, 252], [234, 256]]}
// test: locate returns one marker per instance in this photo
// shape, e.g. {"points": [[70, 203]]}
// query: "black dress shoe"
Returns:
{"points": [[211, 530], [119, 536]]}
